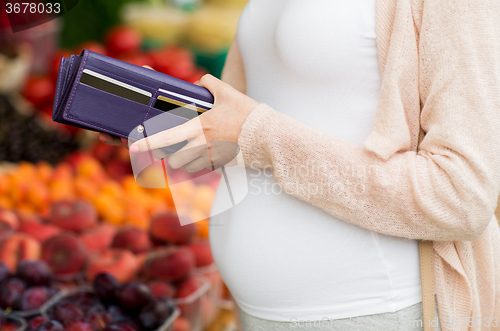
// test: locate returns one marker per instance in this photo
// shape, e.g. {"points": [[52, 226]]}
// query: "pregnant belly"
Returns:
{"points": [[277, 252]]}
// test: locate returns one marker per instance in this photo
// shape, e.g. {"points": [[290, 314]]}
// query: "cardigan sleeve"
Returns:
{"points": [[448, 190]]}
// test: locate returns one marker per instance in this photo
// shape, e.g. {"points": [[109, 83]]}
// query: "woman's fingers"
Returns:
{"points": [[186, 154], [199, 164], [109, 139], [188, 130]]}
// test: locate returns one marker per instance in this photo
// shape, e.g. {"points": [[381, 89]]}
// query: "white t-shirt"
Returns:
{"points": [[282, 258]]}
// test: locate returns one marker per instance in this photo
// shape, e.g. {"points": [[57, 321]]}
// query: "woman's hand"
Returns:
{"points": [[112, 140], [221, 124]]}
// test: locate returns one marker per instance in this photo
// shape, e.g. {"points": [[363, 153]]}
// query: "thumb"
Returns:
{"points": [[210, 83]]}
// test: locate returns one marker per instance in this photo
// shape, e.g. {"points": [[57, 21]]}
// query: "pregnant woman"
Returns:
{"points": [[365, 125]]}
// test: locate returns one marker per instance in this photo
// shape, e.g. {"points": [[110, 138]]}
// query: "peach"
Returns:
{"points": [[99, 238], [188, 286], [181, 324], [202, 253], [19, 247], [117, 169], [39, 231], [162, 289], [8, 220], [203, 198], [74, 216], [167, 227], [133, 239], [120, 263], [170, 264], [103, 152], [65, 254]]}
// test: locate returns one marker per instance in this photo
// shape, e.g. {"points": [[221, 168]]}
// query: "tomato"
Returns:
{"points": [[123, 39], [200, 72], [93, 46], [39, 90], [174, 61], [137, 58], [184, 69]]}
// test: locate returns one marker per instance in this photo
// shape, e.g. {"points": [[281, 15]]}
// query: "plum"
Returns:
{"points": [[34, 298], [10, 326], [35, 322], [119, 327], [117, 314], [79, 325], [34, 273], [106, 285], [99, 318], [154, 314], [85, 301], [11, 292], [4, 271], [50, 326], [133, 295], [66, 311]]}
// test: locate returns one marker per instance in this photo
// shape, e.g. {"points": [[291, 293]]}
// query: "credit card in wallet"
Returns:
{"points": [[116, 87], [176, 107]]}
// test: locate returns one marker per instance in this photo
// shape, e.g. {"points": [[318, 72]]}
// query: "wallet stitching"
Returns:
{"points": [[150, 105], [68, 107], [71, 100], [59, 85], [59, 88]]}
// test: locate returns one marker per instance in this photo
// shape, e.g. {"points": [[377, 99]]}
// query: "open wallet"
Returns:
{"points": [[100, 93]]}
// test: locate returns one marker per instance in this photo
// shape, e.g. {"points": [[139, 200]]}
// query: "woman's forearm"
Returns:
{"points": [[417, 196], [233, 72]]}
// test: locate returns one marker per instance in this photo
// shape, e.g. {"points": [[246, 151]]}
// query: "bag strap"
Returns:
{"points": [[427, 279]]}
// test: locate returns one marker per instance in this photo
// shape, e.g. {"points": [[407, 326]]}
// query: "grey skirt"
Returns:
{"points": [[407, 319]]}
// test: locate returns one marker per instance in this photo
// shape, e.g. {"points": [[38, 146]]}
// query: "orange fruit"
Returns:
{"points": [[112, 188], [85, 188], [114, 214], [61, 190], [44, 171], [26, 170], [38, 194], [6, 202], [4, 184]]}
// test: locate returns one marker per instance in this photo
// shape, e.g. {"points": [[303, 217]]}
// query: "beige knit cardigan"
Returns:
{"points": [[440, 66]]}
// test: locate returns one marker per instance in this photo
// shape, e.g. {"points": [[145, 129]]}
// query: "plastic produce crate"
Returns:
{"points": [[168, 325], [34, 312], [210, 302], [191, 307], [16, 319]]}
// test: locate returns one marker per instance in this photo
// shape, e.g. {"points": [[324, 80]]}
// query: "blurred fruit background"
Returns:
{"points": [[82, 246]]}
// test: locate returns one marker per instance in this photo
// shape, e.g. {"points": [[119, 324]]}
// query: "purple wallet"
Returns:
{"points": [[99, 93]]}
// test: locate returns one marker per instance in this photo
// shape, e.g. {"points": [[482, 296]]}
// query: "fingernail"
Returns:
{"points": [[196, 82], [134, 149]]}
